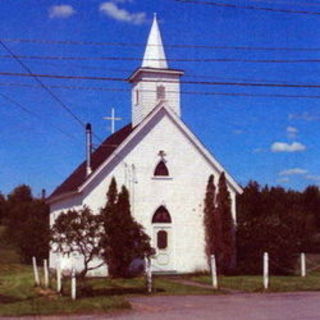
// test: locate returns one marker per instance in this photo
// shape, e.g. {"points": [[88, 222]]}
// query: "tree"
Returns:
{"points": [[212, 234], [27, 224], [269, 220], [124, 239], [79, 232], [226, 261], [2, 207]]}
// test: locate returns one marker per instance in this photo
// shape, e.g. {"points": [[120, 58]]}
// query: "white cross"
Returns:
{"points": [[113, 119]]}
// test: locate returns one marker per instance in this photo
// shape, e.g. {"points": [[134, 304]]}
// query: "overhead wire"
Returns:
{"points": [[206, 83], [48, 90], [34, 114], [131, 44], [249, 7], [110, 89], [110, 58]]}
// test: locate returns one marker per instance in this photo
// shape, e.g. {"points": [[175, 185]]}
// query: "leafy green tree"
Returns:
{"points": [[2, 207], [124, 239], [211, 223], [27, 224], [78, 232], [269, 220], [226, 259]]}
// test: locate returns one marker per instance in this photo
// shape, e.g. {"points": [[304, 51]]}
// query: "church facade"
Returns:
{"points": [[160, 161]]}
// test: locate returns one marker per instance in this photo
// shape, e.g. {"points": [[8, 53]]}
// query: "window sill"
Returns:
{"points": [[161, 178]]}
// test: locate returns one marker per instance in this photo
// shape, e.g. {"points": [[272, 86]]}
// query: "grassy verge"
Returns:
{"points": [[254, 283], [18, 296]]}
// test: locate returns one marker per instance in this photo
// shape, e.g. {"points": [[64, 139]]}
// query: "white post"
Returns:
{"points": [[73, 285], [46, 273], [214, 272], [58, 270], [148, 273], [35, 271], [303, 265], [265, 270]]}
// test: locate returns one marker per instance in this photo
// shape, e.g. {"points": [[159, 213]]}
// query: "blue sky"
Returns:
{"points": [[272, 140]]}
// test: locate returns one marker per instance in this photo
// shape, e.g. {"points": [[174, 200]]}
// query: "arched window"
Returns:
{"points": [[161, 92], [161, 215], [161, 169], [162, 239]]}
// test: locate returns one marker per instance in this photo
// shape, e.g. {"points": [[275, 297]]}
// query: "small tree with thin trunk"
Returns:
{"points": [[80, 232]]}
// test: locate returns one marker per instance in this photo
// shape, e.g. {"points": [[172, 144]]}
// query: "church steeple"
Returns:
{"points": [[154, 55], [154, 82]]}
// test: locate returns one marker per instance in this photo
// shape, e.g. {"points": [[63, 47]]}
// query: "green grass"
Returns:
{"points": [[276, 284], [18, 296]]}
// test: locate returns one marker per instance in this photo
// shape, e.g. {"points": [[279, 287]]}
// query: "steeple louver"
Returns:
{"points": [[154, 55]]}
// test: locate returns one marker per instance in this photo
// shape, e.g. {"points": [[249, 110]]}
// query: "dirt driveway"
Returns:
{"points": [[280, 306]]}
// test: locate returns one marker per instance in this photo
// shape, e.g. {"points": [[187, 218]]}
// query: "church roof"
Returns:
{"points": [[102, 153], [154, 55]]}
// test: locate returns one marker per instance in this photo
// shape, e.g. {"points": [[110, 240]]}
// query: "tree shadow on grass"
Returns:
{"points": [[9, 299], [87, 292]]}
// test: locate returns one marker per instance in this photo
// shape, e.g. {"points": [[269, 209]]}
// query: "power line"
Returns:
{"points": [[74, 58], [206, 93], [236, 6], [214, 83], [127, 44], [186, 75], [57, 99], [32, 113]]}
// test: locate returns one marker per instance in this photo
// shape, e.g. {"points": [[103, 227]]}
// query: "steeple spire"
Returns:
{"points": [[154, 56]]}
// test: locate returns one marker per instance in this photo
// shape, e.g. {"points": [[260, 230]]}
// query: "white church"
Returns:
{"points": [[161, 162]]}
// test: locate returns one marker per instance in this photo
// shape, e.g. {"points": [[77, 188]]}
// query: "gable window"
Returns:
{"points": [[161, 215], [162, 239], [161, 92], [161, 169]]}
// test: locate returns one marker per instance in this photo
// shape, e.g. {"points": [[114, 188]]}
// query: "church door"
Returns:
{"points": [[162, 241]]}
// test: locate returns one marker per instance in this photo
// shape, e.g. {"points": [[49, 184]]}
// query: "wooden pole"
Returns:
{"points": [[35, 271], [214, 272], [148, 272], [58, 270], [303, 265], [265, 270], [73, 285], [46, 273]]}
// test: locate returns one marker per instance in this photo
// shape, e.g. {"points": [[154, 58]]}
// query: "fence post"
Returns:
{"points": [[73, 285], [58, 271], [46, 273], [35, 271], [214, 272], [265, 270], [303, 264], [148, 272]]}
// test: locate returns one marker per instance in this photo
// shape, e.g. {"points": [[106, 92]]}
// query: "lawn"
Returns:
{"points": [[254, 283], [18, 296]]}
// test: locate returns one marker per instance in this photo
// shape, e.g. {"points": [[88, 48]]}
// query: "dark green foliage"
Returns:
{"points": [[27, 224], [80, 232], [226, 256], [124, 239], [270, 220], [219, 225], [212, 232], [2, 207]]}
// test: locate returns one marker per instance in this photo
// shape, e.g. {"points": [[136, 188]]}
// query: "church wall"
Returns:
{"points": [[182, 193]]}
